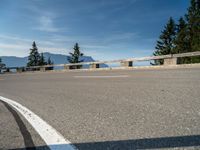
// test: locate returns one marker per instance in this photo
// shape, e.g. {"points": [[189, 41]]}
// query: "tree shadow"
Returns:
{"points": [[148, 143]]}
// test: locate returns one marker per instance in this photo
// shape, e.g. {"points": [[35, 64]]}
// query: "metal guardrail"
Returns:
{"points": [[168, 60]]}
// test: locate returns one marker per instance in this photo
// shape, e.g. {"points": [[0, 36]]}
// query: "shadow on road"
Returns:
{"points": [[28, 142], [149, 143], [146, 143]]}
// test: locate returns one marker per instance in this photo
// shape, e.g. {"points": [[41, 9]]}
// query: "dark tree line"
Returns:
{"points": [[181, 37]]}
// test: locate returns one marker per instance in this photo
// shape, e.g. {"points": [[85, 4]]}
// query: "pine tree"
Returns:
{"points": [[193, 28], [42, 61], [2, 65], [75, 56], [165, 44], [34, 56], [49, 62], [181, 41]]}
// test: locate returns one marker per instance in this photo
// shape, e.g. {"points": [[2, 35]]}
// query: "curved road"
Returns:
{"points": [[120, 109]]}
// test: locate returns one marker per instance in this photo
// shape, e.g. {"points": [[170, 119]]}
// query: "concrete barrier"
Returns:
{"points": [[94, 66], [20, 70], [126, 63], [169, 60], [43, 69], [66, 67]]}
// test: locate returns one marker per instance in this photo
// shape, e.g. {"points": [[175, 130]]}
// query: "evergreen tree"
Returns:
{"points": [[193, 28], [75, 56], [2, 65], [34, 56], [181, 41], [49, 62], [42, 61], [165, 44]]}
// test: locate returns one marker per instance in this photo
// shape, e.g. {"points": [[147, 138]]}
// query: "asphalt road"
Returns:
{"points": [[120, 109]]}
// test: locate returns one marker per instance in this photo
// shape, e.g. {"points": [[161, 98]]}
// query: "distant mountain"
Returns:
{"points": [[12, 61]]}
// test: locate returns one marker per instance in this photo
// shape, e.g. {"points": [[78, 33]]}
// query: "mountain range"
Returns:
{"points": [[13, 61]]}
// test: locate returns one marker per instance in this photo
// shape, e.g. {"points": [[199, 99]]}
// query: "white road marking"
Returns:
{"points": [[53, 139], [115, 76]]}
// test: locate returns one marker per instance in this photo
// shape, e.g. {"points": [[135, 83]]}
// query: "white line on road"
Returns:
{"points": [[116, 76], [53, 139]]}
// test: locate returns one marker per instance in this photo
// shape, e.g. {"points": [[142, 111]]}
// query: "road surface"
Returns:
{"points": [[119, 109]]}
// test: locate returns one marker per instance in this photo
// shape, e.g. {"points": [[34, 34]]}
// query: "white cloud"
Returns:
{"points": [[14, 38], [94, 46], [110, 47], [13, 50], [12, 45], [47, 19], [120, 36], [22, 50], [46, 23]]}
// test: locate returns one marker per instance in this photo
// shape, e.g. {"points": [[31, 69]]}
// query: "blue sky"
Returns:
{"points": [[104, 29]]}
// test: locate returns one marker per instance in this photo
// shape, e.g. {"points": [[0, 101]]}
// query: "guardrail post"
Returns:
{"points": [[170, 61], [20, 70], [73, 67], [127, 63], [94, 66], [7, 70], [49, 68], [66, 67], [42, 68]]}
